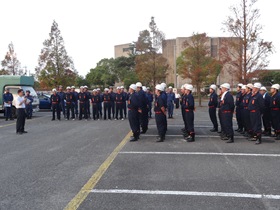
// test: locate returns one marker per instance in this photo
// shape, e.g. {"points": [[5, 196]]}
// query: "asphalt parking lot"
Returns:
{"points": [[92, 165]]}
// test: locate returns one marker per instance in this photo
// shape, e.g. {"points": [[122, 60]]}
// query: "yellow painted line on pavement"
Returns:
{"points": [[94, 179], [3, 126]]}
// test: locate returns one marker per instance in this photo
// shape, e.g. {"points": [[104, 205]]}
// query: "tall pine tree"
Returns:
{"points": [[55, 66], [11, 64]]}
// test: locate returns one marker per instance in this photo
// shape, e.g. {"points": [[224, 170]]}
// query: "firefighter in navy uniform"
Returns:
{"points": [[227, 109], [55, 101], [113, 97], [256, 107], [82, 102], [212, 104], [143, 101], [150, 100], [238, 100], [182, 102], [28, 106], [75, 100], [62, 96], [69, 98], [124, 101], [87, 103], [247, 122], [266, 112], [100, 102], [134, 110], [160, 113], [170, 102], [241, 108], [95, 99], [275, 109], [189, 107], [107, 103], [119, 104], [8, 100], [222, 133]]}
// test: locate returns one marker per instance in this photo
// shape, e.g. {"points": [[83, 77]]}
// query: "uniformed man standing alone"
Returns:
{"points": [[227, 109], [256, 107], [55, 101], [133, 112], [160, 113], [212, 104]]}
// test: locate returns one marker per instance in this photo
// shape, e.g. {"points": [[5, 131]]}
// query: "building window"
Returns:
{"points": [[214, 51]]}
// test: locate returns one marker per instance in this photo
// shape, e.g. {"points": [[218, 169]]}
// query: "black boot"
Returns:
{"points": [[190, 138], [259, 139], [214, 130], [161, 138], [230, 140]]}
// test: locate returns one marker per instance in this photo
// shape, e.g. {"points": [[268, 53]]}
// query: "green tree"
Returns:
{"points": [[103, 74], [196, 64], [55, 67], [249, 51], [11, 64]]}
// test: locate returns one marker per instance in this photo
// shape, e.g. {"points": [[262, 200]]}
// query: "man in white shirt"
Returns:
{"points": [[20, 105]]}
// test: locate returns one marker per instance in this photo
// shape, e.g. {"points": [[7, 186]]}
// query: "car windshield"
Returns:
{"points": [[14, 89]]}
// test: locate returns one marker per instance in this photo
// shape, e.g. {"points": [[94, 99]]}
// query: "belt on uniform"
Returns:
{"points": [[212, 107], [107, 101], [68, 102], [119, 102], [245, 107], [81, 102], [188, 110], [253, 111], [275, 109], [227, 111], [158, 112], [54, 102]]}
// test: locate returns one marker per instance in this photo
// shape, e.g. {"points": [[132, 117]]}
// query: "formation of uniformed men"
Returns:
{"points": [[97, 105], [253, 107]]}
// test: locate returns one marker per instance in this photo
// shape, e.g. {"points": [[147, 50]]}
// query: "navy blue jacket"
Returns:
{"points": [[159, 103], [256, 103], [227, 104], [188, 102], [8, 97], [133, 102], [213, 100]]}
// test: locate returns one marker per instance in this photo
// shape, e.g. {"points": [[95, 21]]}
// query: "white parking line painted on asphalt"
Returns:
{"points": [[203, 136], [201, 153], [187, 193]]}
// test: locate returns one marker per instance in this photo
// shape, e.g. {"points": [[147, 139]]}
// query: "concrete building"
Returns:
{"points": [[122, 50], [172, 50]]}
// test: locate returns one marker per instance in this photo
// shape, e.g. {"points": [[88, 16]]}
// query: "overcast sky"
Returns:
{"points": [[91, 28]]}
